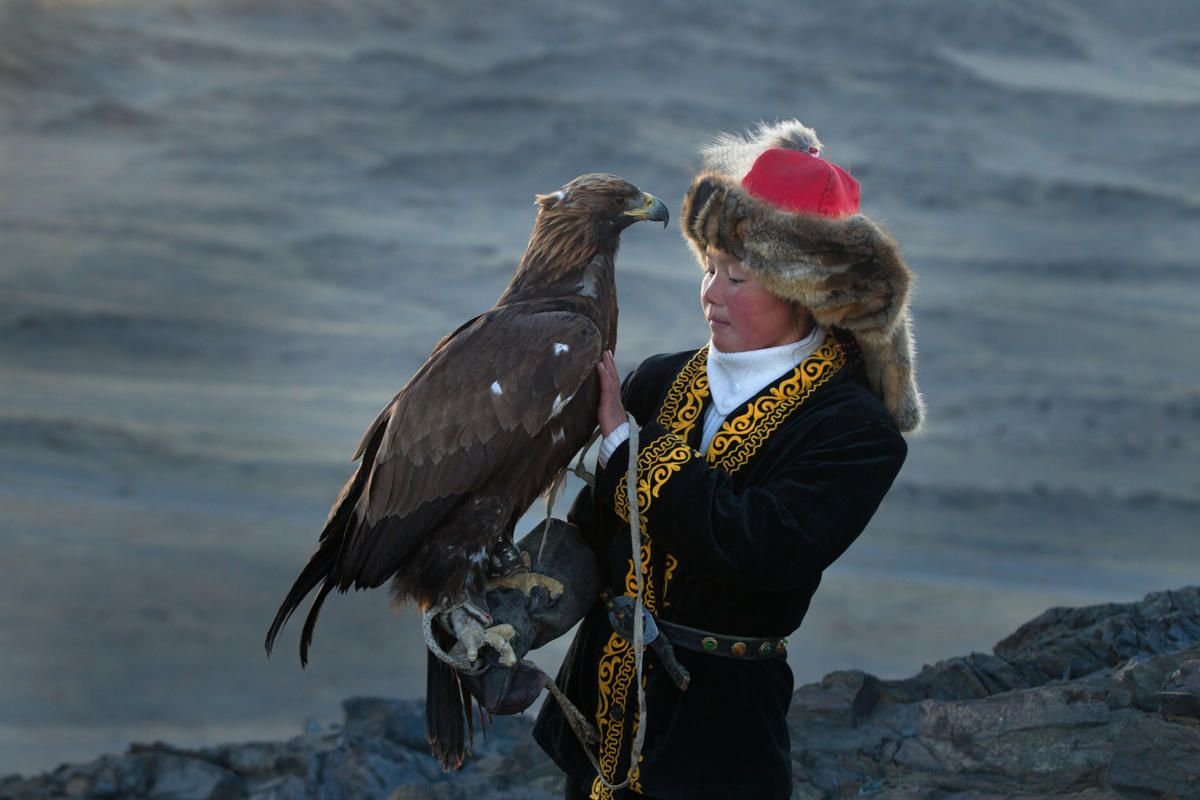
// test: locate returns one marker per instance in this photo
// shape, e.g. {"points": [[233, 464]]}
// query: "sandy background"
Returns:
{"points": [[229, 231]]}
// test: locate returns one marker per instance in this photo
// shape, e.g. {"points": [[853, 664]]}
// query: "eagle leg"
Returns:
{"points": [[507, 559], [526, 581]]}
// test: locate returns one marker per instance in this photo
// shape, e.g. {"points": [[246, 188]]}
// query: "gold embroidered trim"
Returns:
{"points": [[685, 399], [656, 464], [618, 664], [668, 573], [741, 437], [614, 691], [647, 579]]}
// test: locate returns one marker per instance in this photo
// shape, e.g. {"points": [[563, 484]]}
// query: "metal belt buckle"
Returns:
{"points": [[620, 616]]}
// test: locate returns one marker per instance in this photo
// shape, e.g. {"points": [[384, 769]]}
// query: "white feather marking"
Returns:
{"points": [[497, 389], [560, 348], [588, 287], [480, 556], [558, 436], [559, 404]]}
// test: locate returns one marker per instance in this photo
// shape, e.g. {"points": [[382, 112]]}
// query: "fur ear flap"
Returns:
{"points": [[890, 359], [549, 200]]}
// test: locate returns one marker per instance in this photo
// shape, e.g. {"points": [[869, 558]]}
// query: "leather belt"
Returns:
{"points": [[750, 648]]}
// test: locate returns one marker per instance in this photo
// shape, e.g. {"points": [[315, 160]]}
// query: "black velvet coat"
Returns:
{"points": [[734, 542]]}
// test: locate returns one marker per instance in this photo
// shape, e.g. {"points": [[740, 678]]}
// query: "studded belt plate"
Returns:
{"points": [[717, 644]]}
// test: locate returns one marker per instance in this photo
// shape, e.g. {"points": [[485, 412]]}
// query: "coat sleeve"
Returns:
{"points": [[771, 536]]}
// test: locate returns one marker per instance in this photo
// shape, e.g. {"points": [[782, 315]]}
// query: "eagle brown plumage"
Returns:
{"points": [[480, 430]]}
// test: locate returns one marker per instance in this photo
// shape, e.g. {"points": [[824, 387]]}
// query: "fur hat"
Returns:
{"points": [[789, 216]]}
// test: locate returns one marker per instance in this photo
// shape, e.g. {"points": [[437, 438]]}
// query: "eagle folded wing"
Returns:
{"points": [[483, 397]]}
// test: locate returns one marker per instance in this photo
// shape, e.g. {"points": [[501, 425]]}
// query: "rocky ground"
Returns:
{"points": [[1086, 703]]}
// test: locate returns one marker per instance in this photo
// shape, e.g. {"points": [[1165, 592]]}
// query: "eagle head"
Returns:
{"points": [[607, 201], [580, 221]]}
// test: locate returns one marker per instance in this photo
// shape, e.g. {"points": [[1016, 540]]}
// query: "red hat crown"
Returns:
{"points": [[802, 182]]}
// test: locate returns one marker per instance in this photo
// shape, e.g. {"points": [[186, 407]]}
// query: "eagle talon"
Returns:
{"points": [[526, 582], [476, 605], [473, 636]]}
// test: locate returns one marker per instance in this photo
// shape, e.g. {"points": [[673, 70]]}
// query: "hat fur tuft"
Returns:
{"points": [[734, 154]]}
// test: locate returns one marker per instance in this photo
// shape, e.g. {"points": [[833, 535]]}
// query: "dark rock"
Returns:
{"points": [[1072, 642], [1068, 706], [378, 752], [1179, 697]]}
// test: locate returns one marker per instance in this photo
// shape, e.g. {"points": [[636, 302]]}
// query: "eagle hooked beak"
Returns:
{"points": [[649, 208]]}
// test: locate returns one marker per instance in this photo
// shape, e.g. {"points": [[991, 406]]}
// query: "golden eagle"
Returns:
{"points": [[479, 431]]}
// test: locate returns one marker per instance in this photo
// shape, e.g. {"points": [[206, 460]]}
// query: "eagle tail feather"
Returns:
{"points": [[447, 714], [332, 542], [310, 622], [316, 571]]}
